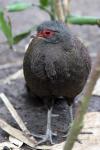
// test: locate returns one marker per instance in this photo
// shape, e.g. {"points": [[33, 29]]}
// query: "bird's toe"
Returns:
{"points": [[47, 137]]}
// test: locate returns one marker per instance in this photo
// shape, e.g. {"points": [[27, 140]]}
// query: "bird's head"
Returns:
{"points": [[53, 31]]}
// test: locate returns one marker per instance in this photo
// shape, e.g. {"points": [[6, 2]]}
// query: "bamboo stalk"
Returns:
{"points": [[66, 7], [59, 10], [50, 13], [87, 92], [83, 20]]}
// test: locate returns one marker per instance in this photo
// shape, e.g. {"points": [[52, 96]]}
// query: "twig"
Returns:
{"points": [[18, 74], [59, 10], [45, 9], [8, 144], [14, 113], [87, 92], [16, 133], [15, 141], [9, 65]]}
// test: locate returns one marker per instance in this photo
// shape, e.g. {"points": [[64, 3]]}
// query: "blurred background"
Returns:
{"points": [[22, 21]]}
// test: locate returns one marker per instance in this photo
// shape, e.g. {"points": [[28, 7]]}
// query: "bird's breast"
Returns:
{"points": [[49, 70]]}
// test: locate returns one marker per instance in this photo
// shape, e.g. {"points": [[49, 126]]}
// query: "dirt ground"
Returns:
{"points": [[33, 113]]}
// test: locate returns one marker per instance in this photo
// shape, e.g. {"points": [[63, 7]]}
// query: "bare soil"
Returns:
{"points": [[31, 111]]}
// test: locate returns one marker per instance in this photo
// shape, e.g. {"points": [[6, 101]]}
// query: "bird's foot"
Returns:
{"points": [[66, 131], [47, 137], [55, 115]]}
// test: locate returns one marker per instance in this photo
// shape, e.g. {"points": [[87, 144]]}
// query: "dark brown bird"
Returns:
{"points": [[56, 63]]}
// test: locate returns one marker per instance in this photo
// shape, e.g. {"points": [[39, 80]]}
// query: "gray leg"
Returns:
{"points": [[71, 118], [49, 133], [71, 113]]}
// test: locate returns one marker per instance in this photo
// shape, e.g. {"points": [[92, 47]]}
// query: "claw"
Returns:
{"points": [[47, 137], [55, 115]]}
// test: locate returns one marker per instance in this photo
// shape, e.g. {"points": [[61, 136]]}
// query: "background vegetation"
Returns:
{"points": [[56, 9]]}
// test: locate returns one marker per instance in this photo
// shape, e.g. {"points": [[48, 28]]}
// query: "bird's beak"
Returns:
{"points": [[39, 36], [33, 36]]}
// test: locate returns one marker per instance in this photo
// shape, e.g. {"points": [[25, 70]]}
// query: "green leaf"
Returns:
{"points": [[6, 27], [18, 6], [44, 3], [21, 36]]}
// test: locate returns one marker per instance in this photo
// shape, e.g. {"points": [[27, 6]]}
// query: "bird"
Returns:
{"points": [[56, 63]]}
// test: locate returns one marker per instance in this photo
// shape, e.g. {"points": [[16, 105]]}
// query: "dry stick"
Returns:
{"points": [[30, 141], [9, 65], [59, 10], [87, 92], [8, 144], [16, 133], [7, 80], [14, 113]]}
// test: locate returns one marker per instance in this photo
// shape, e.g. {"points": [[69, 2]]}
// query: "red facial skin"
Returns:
{"points": [[45, 33]]}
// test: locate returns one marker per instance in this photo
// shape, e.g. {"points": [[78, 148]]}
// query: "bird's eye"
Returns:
{"points": [[46, 33]]}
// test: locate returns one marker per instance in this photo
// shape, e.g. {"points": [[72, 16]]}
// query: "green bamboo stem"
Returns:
{"points": [[83, 20], [50, 13], [52, 9], [87, 92]]}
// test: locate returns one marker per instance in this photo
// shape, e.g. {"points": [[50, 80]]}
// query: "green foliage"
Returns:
{"points": [[44, 3], [6, 27], [21, 36], [18, 6], [81, 20]]}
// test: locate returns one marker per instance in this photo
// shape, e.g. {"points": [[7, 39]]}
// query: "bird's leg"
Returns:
{"points": [[48, 135], [49, 132], [71, 118], [71, 113]]}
